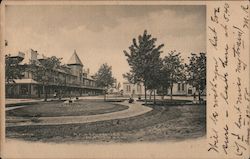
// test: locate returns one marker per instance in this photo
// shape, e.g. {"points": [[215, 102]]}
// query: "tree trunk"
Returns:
{"points": [[199, 96], [145, 89], [104, 96], [154, 97], [46, 93], [60, 92], [162, 99], [171, 92], [150, 94], [11, 87], [39, 91]]}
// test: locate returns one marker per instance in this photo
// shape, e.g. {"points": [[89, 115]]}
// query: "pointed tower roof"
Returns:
{"points": [[75, 60]]}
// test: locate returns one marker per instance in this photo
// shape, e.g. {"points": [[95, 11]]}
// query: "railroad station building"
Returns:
{"points": [[70, 80]]}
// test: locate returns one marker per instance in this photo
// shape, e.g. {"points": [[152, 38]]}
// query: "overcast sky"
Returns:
{"points": [[101, 33]]}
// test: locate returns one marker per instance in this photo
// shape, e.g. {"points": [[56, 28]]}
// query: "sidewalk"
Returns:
{"points": [[20, 101], [16, 101], [9, 101]]}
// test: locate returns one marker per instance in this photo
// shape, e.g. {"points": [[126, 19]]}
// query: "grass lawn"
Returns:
{"points": [[162, 123], [53, 109]]}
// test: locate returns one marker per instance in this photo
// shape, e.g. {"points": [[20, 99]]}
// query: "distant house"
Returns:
{"points": [[130, 89], [75, 81], [180, 88], [183, 88]]}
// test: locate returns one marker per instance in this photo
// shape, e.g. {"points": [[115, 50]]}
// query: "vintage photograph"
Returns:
{"points": [[105, 73]]}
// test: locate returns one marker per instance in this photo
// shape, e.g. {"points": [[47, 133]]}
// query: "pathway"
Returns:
{"points": [[134, 109]]}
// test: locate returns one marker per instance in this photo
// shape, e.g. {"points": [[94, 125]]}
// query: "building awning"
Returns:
{"points": [[24, 81]]}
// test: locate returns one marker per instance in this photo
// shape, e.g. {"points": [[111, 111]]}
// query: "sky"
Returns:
{"points": [[99, 34]]}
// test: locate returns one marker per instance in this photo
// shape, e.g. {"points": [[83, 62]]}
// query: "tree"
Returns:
{"points": [[13, 68], [197, 72], [144, 60], [104, 77], [44, 71], [118, 86], [154, 80], [174, 67], [163, 82]]}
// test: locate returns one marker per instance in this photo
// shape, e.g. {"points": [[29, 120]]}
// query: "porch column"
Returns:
{"points": [[29, 90]]}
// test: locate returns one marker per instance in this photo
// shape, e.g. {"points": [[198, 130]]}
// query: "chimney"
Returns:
{"points": [[33, 55]]}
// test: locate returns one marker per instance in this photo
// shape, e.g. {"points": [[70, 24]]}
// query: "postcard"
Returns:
{"points": [[125, 79]]}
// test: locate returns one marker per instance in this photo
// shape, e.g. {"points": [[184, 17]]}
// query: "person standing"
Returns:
{"points": [[194, 97], [55, 94]]}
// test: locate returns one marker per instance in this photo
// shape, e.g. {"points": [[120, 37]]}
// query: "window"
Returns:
{"points": [[26, 74], [183, 87], [179, 86], [139, 88], [128, 88], [189, 91], [23, 89]]}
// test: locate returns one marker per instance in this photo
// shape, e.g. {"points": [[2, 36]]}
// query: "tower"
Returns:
{"points": [[76, 66]]}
